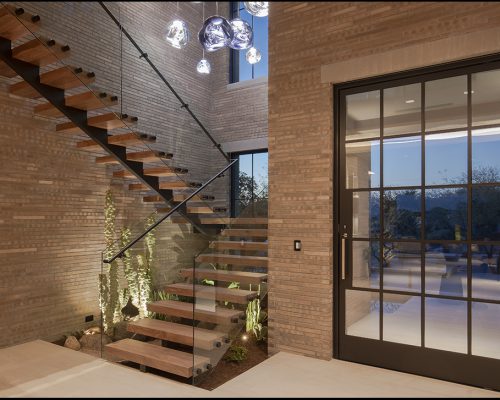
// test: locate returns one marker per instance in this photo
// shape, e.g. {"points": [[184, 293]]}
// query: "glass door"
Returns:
{"points": [[419, 223]]}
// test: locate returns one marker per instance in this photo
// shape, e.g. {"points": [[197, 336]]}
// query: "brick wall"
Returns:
{"points": [[303, 37], [51, 224], [51, 204]]}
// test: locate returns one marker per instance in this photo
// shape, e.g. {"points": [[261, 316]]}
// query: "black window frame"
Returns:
{"points": [[235, 171], [234, 59], [442, 364]]}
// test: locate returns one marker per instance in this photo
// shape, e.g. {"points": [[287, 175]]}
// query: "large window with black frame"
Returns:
{"points": [[420, 199], [241, 69], [249, 191]]}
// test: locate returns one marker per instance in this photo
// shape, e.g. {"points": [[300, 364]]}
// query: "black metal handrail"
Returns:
{"points": [[183, 103], [177, 207]]}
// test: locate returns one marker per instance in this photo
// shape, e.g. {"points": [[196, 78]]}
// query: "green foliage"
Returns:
{"points": [[236, 353], [232, 285], [137, 271], [108, 281], [255, 317], [161, 295]]}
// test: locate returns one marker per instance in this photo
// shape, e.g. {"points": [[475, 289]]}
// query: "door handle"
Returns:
{"points": [[343, 254]]}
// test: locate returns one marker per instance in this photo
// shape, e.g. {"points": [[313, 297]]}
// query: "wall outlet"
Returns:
{"points": [[89, 318], [297, 245]]}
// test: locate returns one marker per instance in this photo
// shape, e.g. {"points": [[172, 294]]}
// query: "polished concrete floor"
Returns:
{"points": [[40, 369]]}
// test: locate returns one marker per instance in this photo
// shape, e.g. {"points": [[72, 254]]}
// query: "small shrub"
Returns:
{"points": [[236, 353]]}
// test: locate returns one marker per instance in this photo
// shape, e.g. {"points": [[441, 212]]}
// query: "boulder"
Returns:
{"points": [[72, 343], [93, 330], [93, 342]]}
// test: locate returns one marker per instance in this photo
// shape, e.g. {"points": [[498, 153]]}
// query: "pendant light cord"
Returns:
{"points": [[202, 22], [121, 60]]}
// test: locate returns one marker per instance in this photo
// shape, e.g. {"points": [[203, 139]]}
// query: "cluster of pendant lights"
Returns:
{"points": [[217, 32]]}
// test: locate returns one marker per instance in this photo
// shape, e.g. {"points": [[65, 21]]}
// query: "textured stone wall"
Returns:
{"points": [[303, 36]]}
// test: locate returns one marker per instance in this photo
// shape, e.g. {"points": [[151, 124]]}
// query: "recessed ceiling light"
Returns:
{"points": [[371, 173], [466, 92], [410, 101]]}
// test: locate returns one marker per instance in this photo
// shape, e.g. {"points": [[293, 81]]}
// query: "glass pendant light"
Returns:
{"points": [[253, 55], [216, 32], [242, 34], [203, 66], [177, 32], [257, 8]]}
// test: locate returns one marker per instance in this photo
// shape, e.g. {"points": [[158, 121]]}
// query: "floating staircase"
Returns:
{"points": [[203, 309], [53, 89], [204, 314]]}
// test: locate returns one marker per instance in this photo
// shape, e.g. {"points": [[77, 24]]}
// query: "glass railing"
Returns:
{"points": [[230, 280], [147, 307]]}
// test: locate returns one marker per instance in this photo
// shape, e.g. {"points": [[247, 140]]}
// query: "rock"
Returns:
{"points": [[72, 343], [93, 330], [93, 342]]}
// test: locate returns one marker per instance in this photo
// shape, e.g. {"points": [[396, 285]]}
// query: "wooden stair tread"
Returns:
{"points": [[111, 121], [178, 333], [238, 296], [233, 259], [47, 110], [107, 160], [164, 185], [24, 89], [13, 28], [41, 51], [179, 185], [180, 309], [165, 171], [6, 71], [199, 210], [179, 197], [244, 232], [90, 101], [162, 358], [68, 127], [148, 155], [223, 275], [163, 210], [154, 171], [234, 221], [124, 139], [67, 77], [84, 101], [240, 245], [138, 156], [153, 199]]}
